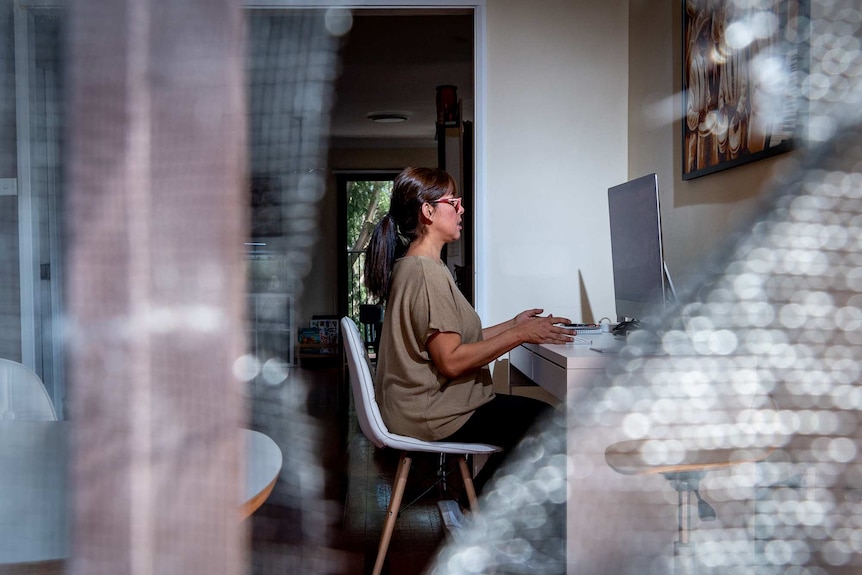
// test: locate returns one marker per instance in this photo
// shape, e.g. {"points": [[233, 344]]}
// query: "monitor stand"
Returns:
{"points": [[670, 291], [628, 325]]}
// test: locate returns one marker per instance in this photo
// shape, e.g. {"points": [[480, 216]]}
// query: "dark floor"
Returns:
{"points": [[326, 511]]}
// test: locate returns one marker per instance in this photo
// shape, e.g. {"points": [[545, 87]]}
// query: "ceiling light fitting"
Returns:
{"points": [[387, 117]]}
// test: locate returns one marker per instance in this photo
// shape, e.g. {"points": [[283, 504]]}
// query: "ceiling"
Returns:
{"points": [[392, 61]]}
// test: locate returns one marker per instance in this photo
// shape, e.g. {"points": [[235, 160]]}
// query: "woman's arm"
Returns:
{"points": [[454, 358], [489, 332]]}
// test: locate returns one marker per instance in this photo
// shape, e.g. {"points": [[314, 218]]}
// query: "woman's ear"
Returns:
{"points": [[426, 212]]}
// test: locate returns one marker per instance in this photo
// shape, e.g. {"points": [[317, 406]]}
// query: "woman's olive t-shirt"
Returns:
{"points": [[415, 399]]}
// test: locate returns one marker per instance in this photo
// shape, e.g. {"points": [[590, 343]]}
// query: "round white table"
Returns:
{"points": [[34, 459]]}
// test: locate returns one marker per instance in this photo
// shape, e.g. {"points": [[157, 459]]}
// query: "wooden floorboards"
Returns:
{"points": [[326, 511]]}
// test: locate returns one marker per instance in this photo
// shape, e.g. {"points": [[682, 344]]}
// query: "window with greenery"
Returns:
{"points": [[367, 203]]}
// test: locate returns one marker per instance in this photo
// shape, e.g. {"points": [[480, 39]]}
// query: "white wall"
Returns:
{"points": [[555, 140]]}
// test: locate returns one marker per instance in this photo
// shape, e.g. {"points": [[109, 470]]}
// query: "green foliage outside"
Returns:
{"points": [[367, 203]]}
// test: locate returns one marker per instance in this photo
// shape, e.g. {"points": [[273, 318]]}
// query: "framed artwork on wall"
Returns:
{"points": [[742, 64]]}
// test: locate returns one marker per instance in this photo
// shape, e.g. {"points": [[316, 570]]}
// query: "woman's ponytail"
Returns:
{"points": [[380, 256]]}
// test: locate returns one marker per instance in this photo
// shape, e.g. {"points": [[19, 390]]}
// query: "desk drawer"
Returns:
{"points": [[522, 358], [561, 382], [550, 376]]}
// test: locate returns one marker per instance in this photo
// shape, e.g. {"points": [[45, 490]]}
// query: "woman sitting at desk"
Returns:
{"points": [[432, 379]]}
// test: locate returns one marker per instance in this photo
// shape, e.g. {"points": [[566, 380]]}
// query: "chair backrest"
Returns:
{"points": [[367, 410], [23, 396]]}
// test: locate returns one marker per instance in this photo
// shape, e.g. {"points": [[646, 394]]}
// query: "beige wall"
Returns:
{"points": [[582, 96], [556, 132], [697, 215]]}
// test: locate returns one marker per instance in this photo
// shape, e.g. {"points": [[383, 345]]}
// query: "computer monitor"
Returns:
{"points": [[641, 282]]}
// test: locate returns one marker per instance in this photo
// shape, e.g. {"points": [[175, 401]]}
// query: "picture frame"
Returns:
{"points": [[741, 72]]}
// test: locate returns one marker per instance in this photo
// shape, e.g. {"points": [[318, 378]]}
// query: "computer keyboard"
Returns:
{"points": [[592, 330], [583, 328]]}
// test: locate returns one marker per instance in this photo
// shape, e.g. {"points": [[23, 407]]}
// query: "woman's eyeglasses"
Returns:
{"points": [[454, 202]]}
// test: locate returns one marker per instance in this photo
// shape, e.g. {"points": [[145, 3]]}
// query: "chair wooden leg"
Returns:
{"points": [[392, 511], [468, 483]]}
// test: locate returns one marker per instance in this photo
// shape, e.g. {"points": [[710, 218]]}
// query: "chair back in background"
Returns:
{"points": [[23, 396], [371, 318]]}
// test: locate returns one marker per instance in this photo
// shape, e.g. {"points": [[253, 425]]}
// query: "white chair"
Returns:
{"points": [[372, 425], [22, 394]]}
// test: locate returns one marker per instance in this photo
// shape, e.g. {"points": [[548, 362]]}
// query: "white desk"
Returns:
{"points": [[34, 458], [565, 370], [560, 368]]}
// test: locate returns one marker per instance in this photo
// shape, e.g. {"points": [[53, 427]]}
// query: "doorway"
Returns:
{"points": [[363, 200], [435, 48]]}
